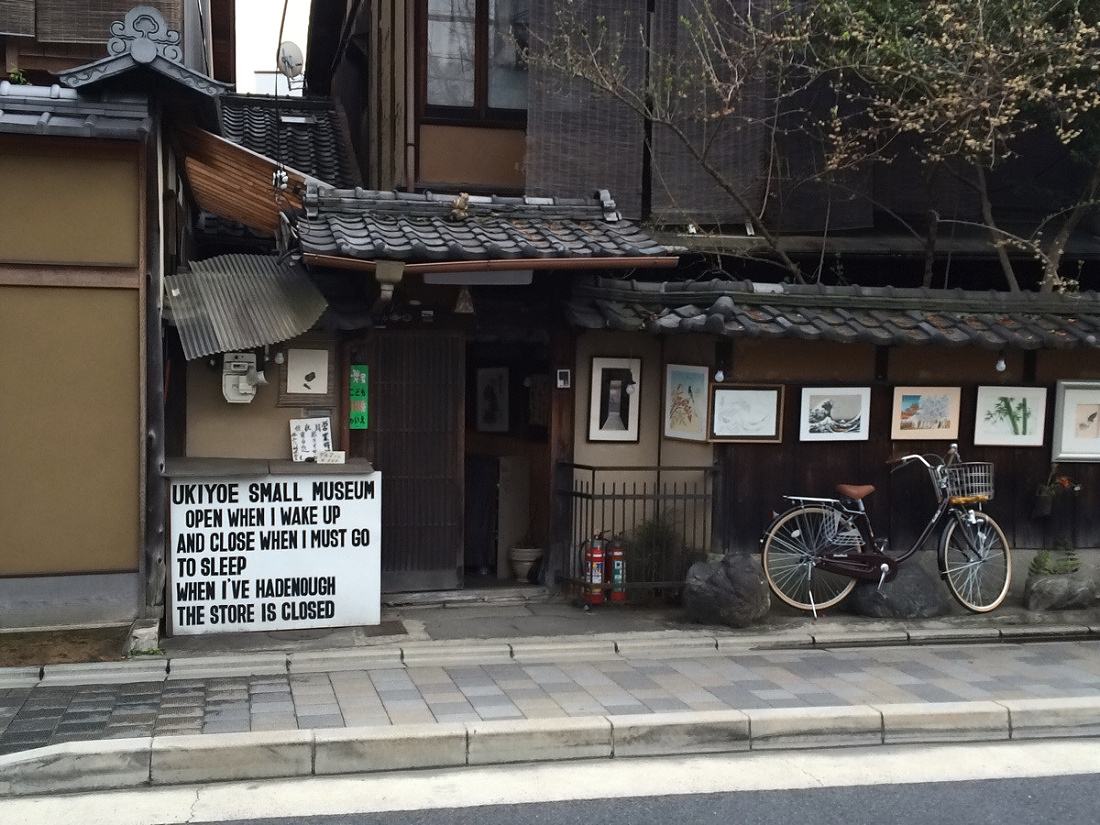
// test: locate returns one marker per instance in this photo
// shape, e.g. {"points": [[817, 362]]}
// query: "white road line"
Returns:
{"points": [[562, 781]]}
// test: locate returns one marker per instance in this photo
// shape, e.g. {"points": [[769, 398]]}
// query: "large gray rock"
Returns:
{"points": [[1069, 591], [732, 592], [913, 594]]}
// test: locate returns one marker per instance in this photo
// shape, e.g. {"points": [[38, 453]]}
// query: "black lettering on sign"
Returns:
{"points": [[267, 612], [232, 613], [295, 587], [194, 591], [191, 615], [229, 542], [328, 538], [279, 540], [342, 490], [247, 517], [273, 491], [223, 566], [297, 515], [203, 518], [191, 543], [305, 611], [204, 493]]}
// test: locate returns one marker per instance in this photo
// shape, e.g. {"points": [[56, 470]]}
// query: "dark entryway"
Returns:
{"points": [[416, 390]]}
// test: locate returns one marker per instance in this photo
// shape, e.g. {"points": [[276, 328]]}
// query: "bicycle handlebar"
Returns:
{"points": [[952, 456]]}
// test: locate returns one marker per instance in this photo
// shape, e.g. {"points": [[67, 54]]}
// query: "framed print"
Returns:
{"points": [[613, 401], [746, 413], [308, 376], [1077, 421], [925, 413], [1010, 416], [686, 402], [492, 400], [835, 414]]}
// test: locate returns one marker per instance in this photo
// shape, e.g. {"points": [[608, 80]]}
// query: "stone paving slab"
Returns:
{"points": [[31, 717]]}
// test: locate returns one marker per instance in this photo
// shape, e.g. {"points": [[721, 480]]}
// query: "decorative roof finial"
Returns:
{"points": [[144, 34]]}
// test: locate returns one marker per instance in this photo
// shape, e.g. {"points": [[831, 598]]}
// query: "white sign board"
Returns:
{"points": [[275, 553]]}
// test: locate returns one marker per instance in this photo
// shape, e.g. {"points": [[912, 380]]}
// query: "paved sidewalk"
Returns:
{"points": [[32, 717]]}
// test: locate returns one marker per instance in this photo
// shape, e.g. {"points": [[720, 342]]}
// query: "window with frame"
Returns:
{"points": [[474, 66]]}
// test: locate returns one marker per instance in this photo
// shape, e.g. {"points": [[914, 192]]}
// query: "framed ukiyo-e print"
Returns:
{"points": [[925, 413], [835, 414], [1077, 421], [686, 402], [746, 413], [1010, 416], [613, 400]]}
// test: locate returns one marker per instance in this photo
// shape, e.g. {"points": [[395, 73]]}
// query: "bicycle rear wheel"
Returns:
{"points": [[791, 546], [977, 562]]}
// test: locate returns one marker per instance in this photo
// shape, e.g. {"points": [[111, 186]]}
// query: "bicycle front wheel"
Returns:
{"points": [[792, 545], [977, 562]]}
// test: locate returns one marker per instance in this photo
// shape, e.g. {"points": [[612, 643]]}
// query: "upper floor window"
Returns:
{"points": [[474, 66]]}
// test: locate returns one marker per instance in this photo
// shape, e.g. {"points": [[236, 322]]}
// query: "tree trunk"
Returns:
{"points": [[994, 233], [1057, 246]]}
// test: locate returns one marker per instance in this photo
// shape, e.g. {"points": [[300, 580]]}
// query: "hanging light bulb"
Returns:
{"points": [[720, 376], [1000, 366]]}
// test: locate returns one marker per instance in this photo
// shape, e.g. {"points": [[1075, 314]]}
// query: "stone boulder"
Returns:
{"points": [[730, 592], [1068, 591], [914, 593]]}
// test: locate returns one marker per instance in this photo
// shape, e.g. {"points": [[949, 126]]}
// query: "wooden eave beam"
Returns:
{"points": [[498, 264]]}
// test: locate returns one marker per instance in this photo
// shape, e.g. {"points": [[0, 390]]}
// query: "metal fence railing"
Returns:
{"points": [[664, 517]]}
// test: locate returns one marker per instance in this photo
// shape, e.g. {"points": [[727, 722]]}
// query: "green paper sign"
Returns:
{"points": [[357, 397]]}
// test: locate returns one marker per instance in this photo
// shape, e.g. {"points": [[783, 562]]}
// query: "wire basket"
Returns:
{"points": [[840, 531], [970, 479]]}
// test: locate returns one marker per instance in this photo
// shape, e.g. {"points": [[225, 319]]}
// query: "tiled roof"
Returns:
{"points": [[51, 110], [306, 134], [880, 316], [405, 226]]}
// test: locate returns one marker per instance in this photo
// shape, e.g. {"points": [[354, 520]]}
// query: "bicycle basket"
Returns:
{"points": [[840, 532], [970, 479]]}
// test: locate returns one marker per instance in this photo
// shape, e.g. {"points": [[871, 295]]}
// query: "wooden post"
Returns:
{"points": [[562, 356]]}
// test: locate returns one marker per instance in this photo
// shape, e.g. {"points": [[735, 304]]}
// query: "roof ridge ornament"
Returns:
{"points": [[144, 34]]}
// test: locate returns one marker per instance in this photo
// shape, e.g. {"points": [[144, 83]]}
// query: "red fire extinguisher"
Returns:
{"points": [[616, 561], [594, 570]]}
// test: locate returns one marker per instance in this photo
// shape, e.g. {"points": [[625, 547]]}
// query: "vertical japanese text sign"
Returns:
{"points": [[357, 397]]}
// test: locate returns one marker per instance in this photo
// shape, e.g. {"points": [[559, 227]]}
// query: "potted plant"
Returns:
{"points": [[1056, 484], [524, 555], [1055, 580]]}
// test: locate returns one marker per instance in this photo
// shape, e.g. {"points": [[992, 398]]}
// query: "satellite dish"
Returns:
{"points": [[290, 59]]}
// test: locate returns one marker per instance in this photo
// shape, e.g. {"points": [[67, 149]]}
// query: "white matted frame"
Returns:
{"points": [[1010, 416], [686, 400], [614, 396], [925, 414], [835, 414], [746, 413], [1077, 421]]}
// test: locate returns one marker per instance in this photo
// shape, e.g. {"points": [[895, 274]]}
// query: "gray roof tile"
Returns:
{"points": [[51, 110], [872, 315], [404, 226]]}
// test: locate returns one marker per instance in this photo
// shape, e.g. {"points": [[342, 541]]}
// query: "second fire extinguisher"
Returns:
{"points": [[594, 570], [616, 563]]}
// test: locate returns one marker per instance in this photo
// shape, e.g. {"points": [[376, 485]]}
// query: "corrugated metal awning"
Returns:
{"points": [[237, 302]]}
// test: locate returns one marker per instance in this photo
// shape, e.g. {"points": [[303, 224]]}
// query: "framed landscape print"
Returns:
{"points": [[613, 400], [925, 413], [686, 402], [835, 414], [1077, 421], [1010, 416], [492, 400], [746, 413]]}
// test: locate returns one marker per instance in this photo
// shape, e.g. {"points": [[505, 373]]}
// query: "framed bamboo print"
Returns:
{"points": [[746, 413], [613, 400], [835, 414], [925, 413], [1077, 421], [686, 402], [1010, 416]]}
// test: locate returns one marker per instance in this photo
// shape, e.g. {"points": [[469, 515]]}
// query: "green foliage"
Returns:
{"points": [[17, 78], [653, 540], [1062, 559]]}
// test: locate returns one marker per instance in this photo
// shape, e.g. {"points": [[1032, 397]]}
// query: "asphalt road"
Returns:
{"points": [[1064, 800]]}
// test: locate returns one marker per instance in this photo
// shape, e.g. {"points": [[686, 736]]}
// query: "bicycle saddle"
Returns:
{"points": [[856, 492]]}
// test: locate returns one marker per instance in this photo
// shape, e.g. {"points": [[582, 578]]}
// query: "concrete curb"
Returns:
{"points": [[472, 652], [173, 760]]}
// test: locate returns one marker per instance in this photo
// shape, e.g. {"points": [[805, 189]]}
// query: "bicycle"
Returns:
{"points": [[814, 553]]}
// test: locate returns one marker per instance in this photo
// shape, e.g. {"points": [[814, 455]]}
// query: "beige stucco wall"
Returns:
{"points": [[70, 437], [470, 155], [69, 202], [259, 429]]}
